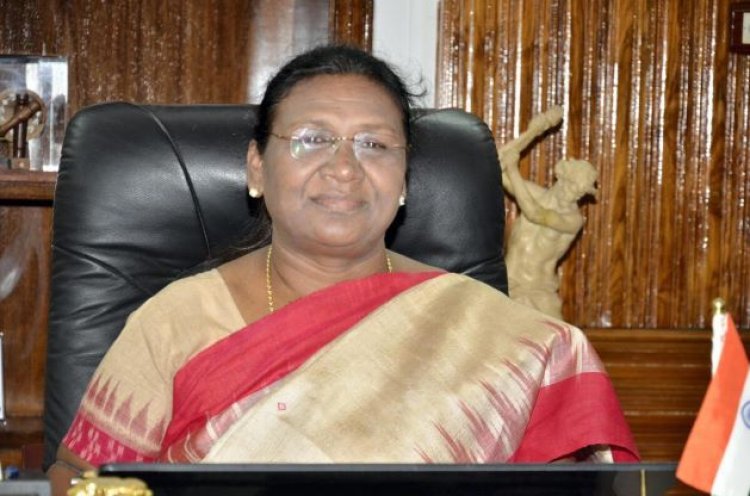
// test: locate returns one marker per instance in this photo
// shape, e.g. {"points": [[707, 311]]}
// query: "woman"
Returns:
{"points": [[325, 347]]}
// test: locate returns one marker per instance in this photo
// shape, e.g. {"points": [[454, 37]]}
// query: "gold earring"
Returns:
{"points": [[254, 193], [402, 200]]}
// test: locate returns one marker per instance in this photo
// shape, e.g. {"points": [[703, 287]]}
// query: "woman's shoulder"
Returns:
{"points": [[202, 281], [190, 289], [179, 321], [191, 300], [402, 263]]}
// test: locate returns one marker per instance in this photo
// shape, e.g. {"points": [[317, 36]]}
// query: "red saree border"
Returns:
{"points": [[562, 421], [267, 350], [95, 445]]}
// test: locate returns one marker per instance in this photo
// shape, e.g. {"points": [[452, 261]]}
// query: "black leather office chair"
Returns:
{"points": [[146, 194]]}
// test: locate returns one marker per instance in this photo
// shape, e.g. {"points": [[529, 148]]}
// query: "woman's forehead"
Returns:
{"points": [[339, 97]]}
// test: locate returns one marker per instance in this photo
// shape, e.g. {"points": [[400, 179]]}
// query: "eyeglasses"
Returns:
{"points": [[315, 146]]}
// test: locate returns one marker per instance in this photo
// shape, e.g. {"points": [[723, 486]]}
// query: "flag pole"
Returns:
{"points": [[719, 328]]}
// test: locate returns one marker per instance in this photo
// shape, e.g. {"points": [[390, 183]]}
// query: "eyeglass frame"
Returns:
{"points": [[334, 146]]}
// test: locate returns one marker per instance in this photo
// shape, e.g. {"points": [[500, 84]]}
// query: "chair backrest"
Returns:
{"points": [[147, 193]]}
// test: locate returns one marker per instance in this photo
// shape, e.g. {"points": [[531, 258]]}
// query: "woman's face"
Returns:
{"points": [[339, 203]]}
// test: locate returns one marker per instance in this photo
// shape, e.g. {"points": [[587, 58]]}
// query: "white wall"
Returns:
{"points": [[405, 35]]}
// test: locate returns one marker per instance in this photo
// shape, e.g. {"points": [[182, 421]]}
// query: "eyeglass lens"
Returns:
{"points": [[314, 146]]}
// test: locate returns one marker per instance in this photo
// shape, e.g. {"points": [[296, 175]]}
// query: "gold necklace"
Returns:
{"points": [[269, 286]]}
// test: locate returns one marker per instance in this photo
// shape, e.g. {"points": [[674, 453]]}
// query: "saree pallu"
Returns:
{"points": [[399, 368]]}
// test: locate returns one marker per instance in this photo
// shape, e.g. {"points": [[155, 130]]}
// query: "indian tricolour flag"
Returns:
{"points": [[716, 458]]}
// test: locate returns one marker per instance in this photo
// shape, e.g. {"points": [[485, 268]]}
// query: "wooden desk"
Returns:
{"points": [[661, 376]]}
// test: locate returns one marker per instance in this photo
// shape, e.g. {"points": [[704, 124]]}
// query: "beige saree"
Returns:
{"points": [[396, 368]]}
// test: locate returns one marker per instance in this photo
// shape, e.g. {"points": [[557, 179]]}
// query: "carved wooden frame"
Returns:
{"points": [[739, 27]]}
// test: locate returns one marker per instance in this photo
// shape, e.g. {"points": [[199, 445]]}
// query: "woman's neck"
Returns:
{"points": [[292, 274]]}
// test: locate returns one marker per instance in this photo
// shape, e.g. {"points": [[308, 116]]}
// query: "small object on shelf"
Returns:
{"points": [[11, 472], [33, 103], [27, 122]]}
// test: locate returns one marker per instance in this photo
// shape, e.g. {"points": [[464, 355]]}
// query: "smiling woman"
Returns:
{"points": [[320, 345], [332, 204]]}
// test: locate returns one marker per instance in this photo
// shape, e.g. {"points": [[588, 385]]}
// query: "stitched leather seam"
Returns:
{"points": [[185, 174]]}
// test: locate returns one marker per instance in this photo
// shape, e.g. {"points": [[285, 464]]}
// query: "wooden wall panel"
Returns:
{"points": [[350, 22], [24, 286], [171, 51], [278, 31], [175, 51], [654, 99], [25, 237]]}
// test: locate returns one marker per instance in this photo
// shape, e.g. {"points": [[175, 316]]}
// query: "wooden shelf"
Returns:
{"points": [[22, 430], [27, 185], [22, 443]]}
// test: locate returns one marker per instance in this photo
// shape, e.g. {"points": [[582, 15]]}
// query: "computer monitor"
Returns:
{"points": [[393, 480]]}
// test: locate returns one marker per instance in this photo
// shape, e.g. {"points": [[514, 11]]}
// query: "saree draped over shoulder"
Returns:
{"points": [[393, 368]]}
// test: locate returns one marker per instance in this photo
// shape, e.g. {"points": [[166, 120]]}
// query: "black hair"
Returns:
{"points": [[331, 60]]}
